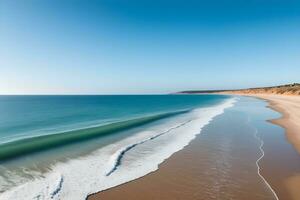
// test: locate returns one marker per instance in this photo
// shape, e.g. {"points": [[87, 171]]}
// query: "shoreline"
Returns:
{"points": [[289, 108], [258, 166], [286, 185], [290, 115], [139, 150], [165, 167]]}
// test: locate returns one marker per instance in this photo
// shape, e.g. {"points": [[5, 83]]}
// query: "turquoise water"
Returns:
{"points": [[30, 116], [39, 132]]}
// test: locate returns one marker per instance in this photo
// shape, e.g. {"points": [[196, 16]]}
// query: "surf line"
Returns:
{"points": [[121, 153], [261, 156]]}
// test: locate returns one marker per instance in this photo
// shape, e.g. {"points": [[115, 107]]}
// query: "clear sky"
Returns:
{"points": [[146, 46]]}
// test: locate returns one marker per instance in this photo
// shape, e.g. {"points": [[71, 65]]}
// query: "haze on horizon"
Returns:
{"points": [[115, 46]]}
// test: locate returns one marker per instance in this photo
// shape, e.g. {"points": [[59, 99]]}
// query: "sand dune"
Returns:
{"points": [[290, 89]]}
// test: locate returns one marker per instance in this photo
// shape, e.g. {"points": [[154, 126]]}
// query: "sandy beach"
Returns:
{"points": [[289, 107], [195, 173]]}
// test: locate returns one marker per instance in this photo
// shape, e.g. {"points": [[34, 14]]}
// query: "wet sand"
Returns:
{"points": [[289, 107], [221, 164]]}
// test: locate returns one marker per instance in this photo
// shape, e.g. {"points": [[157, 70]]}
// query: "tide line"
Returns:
{"points": [[128, 148], [258, 160]]}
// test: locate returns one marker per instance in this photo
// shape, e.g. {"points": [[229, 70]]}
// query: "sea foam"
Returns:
{"points": [[119, 162]]}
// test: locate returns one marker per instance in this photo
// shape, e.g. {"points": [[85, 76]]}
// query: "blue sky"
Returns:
{"points": [[136, 46]]}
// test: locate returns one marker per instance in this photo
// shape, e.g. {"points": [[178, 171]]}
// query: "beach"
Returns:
{"points": [[289, 107], [241, 165]]}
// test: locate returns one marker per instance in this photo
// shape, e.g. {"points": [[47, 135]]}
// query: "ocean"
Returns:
{"points": [[66, 147]]}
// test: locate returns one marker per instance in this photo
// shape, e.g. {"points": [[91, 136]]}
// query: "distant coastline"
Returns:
{"points": [[284, 99], [288, 89]]}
